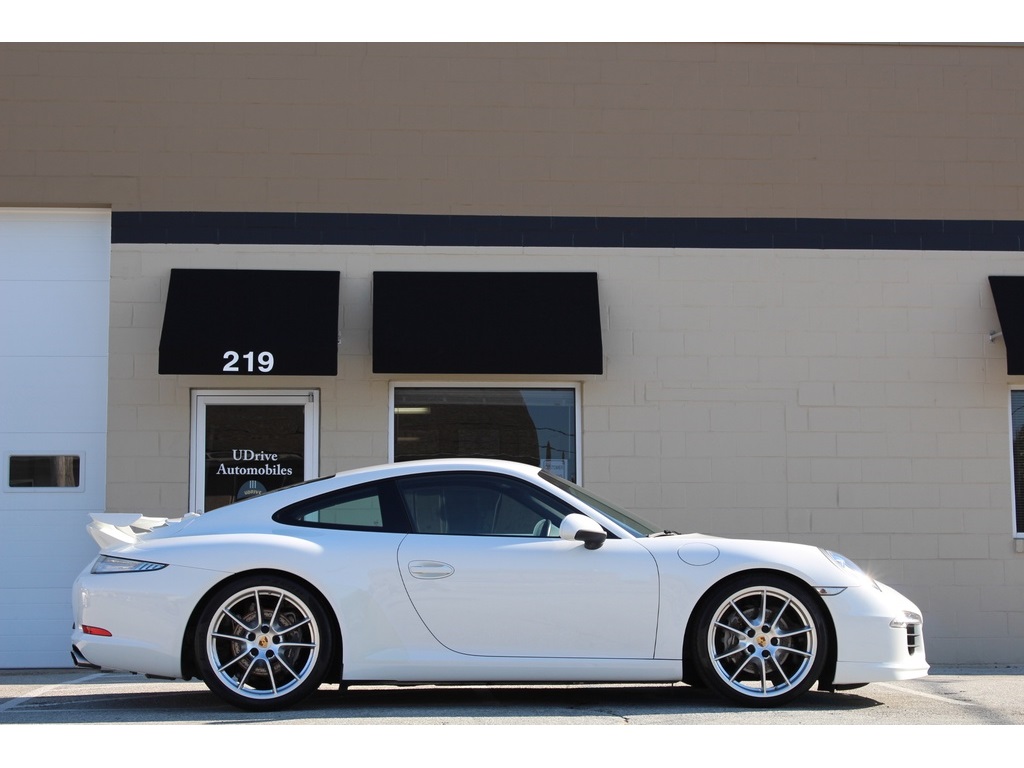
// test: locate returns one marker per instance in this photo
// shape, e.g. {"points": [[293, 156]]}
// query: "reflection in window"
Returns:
{"points": [[479, 505], [1017, 425], [252, 449], [532, 426], [45, 472], [357, 512]]}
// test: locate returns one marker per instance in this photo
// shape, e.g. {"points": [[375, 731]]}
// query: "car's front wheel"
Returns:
{"points": [[263, 643], [762, 640]]}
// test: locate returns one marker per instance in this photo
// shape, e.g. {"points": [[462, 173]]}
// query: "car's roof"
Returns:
{"points": [[357, 476], [440, 465]]}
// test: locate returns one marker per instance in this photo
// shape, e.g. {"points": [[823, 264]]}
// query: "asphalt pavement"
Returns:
{"points": [[69, 701]]}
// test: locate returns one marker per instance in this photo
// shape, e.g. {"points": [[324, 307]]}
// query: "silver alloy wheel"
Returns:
{"points": [[763, 642], [263, 642]]}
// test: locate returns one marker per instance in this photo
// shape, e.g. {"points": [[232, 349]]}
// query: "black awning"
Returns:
{"points": [[1008, 292], [251, 322], [486, 323]]}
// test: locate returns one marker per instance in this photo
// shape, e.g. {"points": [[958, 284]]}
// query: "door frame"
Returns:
{"points": [[309, 398]]}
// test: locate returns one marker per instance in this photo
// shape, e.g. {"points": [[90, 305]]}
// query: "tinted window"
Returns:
{"points": [[45, 472], [361, 508], [251, 449], [630, 522], [534, 426], [480, 505], [1017, 451]]}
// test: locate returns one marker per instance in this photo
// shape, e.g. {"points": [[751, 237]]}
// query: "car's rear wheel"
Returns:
{"points": [[762, 640], [263, 643]]}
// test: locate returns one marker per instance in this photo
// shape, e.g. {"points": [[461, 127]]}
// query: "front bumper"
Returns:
{"points": [[879, 636]]}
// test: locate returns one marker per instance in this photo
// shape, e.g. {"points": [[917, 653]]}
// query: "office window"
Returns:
{"points": [[1017, 453], [533, 425]]}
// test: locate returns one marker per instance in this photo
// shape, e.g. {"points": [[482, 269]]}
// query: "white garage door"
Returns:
{"points": [[54, 326]]}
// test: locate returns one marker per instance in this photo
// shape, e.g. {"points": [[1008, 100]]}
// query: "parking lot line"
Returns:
{"points": [[45, 689]]}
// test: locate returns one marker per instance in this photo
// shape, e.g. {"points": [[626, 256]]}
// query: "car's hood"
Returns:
{"points": [[116, 529], [806, 561]]}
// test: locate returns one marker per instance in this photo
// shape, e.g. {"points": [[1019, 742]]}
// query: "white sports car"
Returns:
{"points": [[474, 571]]}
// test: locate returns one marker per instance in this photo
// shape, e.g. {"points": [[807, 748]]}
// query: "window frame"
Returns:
{"points": [[573, 386]]}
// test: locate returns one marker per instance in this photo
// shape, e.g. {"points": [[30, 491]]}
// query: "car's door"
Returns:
{"points": [[489, 576]]}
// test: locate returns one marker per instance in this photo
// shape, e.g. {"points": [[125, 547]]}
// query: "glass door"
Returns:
{"points": [[249, 442]]}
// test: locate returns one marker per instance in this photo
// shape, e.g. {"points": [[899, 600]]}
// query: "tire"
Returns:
{"points": [[263, 643], [762, 640]]}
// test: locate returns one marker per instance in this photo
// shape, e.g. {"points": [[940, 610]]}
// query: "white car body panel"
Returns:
{"points": [[146, 614], [511, 599], [437, 608], [870, 650]]}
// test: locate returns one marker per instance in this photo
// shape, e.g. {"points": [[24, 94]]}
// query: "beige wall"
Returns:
{"points": [[852, 131], [848, 399]]}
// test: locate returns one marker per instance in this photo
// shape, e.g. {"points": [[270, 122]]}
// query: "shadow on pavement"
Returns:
{"points": [[121, 699]]}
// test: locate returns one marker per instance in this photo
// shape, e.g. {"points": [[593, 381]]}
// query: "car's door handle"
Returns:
{"points": [[430, 569]]}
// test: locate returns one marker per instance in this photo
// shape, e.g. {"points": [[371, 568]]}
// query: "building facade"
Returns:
{"points": [[750, 290]]}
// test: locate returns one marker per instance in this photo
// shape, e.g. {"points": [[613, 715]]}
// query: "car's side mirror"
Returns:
{"points": [[577, 527]]}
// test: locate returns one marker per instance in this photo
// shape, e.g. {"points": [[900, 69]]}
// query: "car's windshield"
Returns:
{"points": [[630, 522]]}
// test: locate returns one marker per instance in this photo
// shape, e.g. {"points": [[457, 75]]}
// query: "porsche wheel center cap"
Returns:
{"points": [[263, 642]]}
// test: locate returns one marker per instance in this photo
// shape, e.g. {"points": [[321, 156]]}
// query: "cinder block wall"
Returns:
{"points": [[849, 131], [850, 400]]}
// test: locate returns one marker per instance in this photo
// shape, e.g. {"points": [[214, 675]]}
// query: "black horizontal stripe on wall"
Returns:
{"points": [[563, 231]]}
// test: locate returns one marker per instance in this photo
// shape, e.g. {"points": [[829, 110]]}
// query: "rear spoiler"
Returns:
{"points": [[113, 529]]}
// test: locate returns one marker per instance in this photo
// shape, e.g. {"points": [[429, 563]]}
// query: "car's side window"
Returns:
{"points": [[477, 504], [364, 512], [361, 508]]}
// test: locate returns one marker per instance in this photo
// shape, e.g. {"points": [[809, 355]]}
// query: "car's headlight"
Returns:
{"points": [[908, 619], [847, 565], [109, 564]]}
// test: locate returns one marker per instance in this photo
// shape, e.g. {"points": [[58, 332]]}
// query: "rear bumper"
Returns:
{"points": [[141, 618]]}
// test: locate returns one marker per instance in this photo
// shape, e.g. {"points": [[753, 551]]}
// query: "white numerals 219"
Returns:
{"points": [[262, 362]]}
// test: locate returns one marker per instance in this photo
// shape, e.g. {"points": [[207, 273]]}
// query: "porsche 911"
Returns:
{"points": [[474, 571]]}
